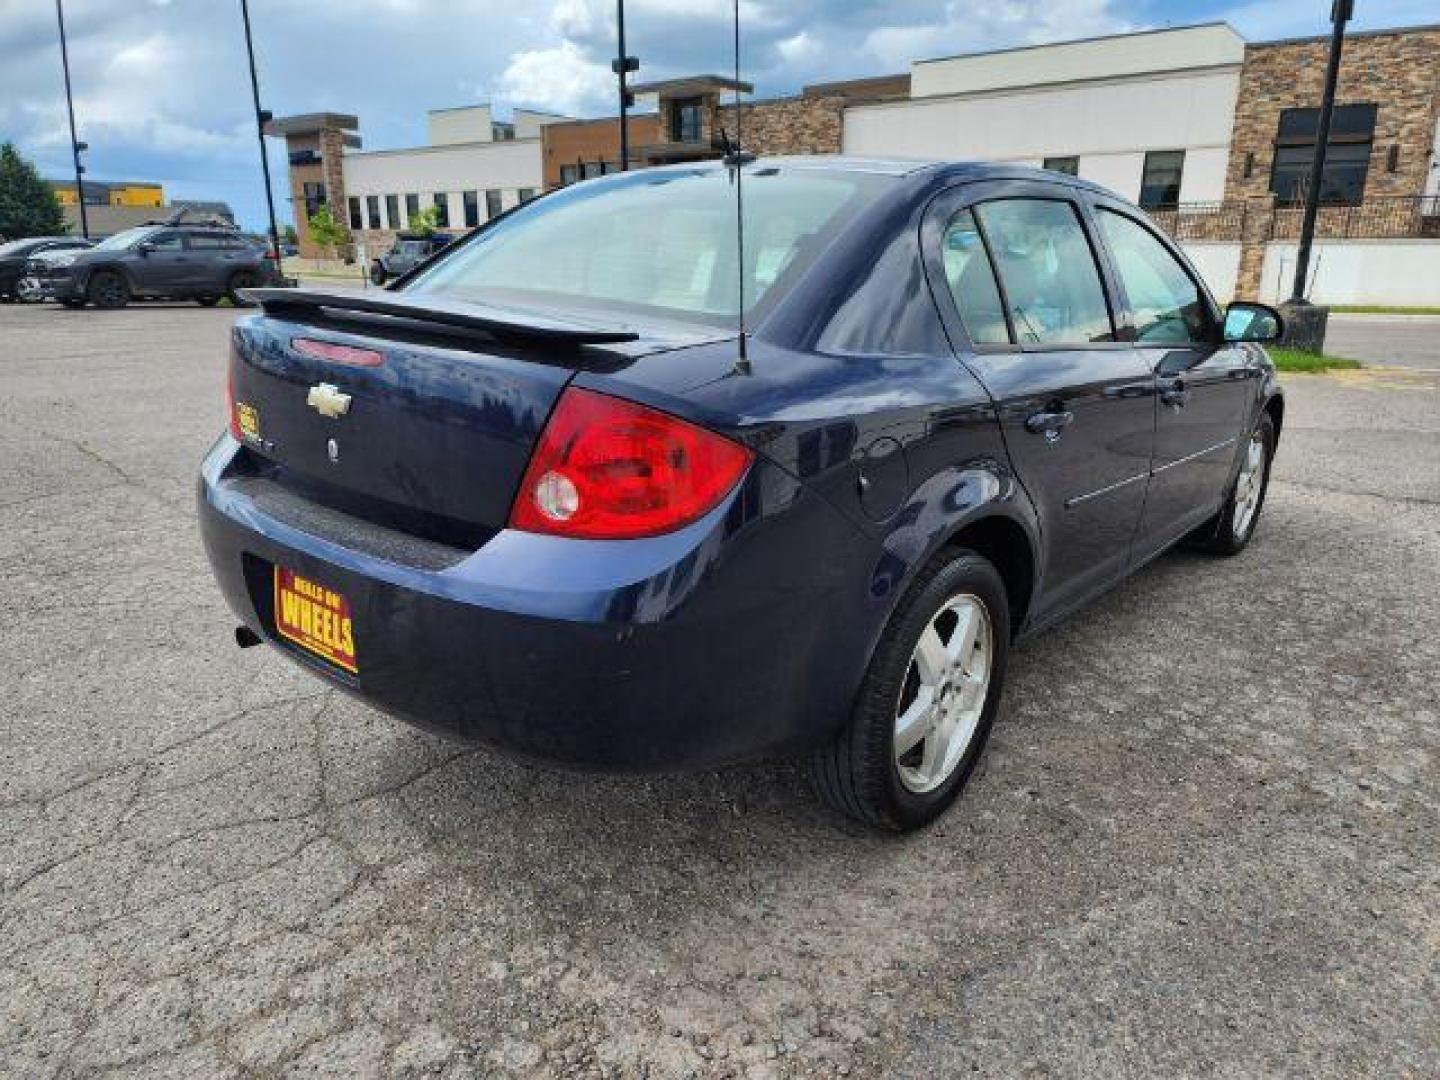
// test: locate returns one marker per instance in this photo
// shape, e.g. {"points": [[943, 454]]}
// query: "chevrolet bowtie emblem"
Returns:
{"points": [[328, 401]]}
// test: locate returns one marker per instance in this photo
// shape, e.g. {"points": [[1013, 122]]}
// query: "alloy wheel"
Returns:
{"points": [[1249, 485], [943, 695]]}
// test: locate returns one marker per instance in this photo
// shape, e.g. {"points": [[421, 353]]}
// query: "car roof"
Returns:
{"points": [[937, 169]]}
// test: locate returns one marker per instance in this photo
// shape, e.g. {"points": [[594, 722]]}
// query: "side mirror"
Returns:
{"points": [[1245, 321], [145, 248]]}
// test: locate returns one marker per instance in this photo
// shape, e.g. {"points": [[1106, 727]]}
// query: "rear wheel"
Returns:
{"points": [[207, 301], [241, 279], [108, 289], [1230, 531], [925, 709], [73, 305]]}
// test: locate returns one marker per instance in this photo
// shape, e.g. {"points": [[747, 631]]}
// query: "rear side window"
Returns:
{"points": [[1051, 281], [1165, 302], [972, 282]]}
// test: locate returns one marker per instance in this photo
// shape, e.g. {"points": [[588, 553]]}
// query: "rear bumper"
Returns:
{"points": [[718, 643]]}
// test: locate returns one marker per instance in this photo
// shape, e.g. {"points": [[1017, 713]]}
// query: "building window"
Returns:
{"points": [[392, 211], [569, 174], [356, 221], [685, 114], [525, 194], [1160, 183], [1070, 166], [314, 197], [472, 208], [492, 204], [592, 169], [1347, 156], [412, 207], [372, 211], [442, 204]]}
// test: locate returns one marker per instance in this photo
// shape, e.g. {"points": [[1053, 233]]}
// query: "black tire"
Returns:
{"points": [[377, 273], [207, 301], [241, 279], [108, 289], [1219, 535], [858, 773], [72, 304]]}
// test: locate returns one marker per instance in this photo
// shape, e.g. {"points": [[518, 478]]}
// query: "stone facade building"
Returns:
{"points": [[1389, 88]]}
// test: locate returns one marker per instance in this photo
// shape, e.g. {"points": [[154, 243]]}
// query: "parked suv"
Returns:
{"points": [[14, 255], [410, 250], [172, 262]]}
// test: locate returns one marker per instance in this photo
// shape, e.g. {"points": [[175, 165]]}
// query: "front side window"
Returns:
{"points": [[1165, 302], [1160, 181], [1052, 284], [492, 204], [166, 242], [372, 211], [472, 208], [659, 243], [972, 282], [1070, 166]]}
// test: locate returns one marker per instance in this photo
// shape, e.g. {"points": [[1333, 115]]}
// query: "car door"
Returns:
{"points": [[214, 257], [160, 263], [1203, 384], [1015, 266]]}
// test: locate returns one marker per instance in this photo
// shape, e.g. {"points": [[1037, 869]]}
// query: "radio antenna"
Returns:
{"points": [[736, 159]]}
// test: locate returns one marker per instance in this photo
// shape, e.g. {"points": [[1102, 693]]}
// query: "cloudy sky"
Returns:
{"points": [[162, 92]]}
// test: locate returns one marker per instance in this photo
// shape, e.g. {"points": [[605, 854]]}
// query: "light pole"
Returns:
{"points": [[1340, 13], [622, 65], [262, 117], [75, 144]]}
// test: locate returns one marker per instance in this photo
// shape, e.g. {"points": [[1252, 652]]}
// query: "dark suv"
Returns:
{"points": [[170, 262], [409, 251]]}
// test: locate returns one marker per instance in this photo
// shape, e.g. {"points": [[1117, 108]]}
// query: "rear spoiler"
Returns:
{"points": [[310, 304]]}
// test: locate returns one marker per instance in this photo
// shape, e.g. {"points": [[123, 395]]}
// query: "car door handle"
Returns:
{"points": [[1175, 394], [1049, 424]]}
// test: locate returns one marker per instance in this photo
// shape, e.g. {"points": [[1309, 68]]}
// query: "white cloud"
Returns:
{"points": [[799, 48], [976, 27], [561, 79]]}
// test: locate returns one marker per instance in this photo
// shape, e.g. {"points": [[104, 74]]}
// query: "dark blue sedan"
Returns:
{"points": [[534, 496]]}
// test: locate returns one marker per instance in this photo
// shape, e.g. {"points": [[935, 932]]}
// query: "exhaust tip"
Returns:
{"points": [[246, 638]]}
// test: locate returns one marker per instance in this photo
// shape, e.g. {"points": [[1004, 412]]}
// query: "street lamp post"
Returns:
{"points": [[1340, 13], [262, 117], [622, 65], [75, 144]]}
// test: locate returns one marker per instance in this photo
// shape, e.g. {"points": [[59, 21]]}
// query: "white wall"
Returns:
{"points": [[1212, 45], [1219, 265], [471, 123], [449, 170], [1108, 124], [1405, 273]]}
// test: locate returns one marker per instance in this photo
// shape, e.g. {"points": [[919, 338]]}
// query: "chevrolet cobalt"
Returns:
{"points": [[542, 494]]}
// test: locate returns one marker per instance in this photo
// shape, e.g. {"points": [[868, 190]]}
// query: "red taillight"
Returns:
{"points": [[607, 469], [230, 410]]}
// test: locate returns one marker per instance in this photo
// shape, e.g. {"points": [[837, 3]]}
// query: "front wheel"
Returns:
{"points": [[1231, 530], [208, 300], [108, 289], [377, 273], [928, 700]]}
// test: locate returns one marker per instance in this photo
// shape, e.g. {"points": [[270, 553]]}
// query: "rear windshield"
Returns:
{"points": [[660, 242]]}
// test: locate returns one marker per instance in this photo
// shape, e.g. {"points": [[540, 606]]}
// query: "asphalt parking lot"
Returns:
{"points": [[1203, 841]]}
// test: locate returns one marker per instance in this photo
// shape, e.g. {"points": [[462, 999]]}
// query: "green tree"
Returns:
{"points": [[28, 206], [328, 233], [426, 221], [291, 236]]}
